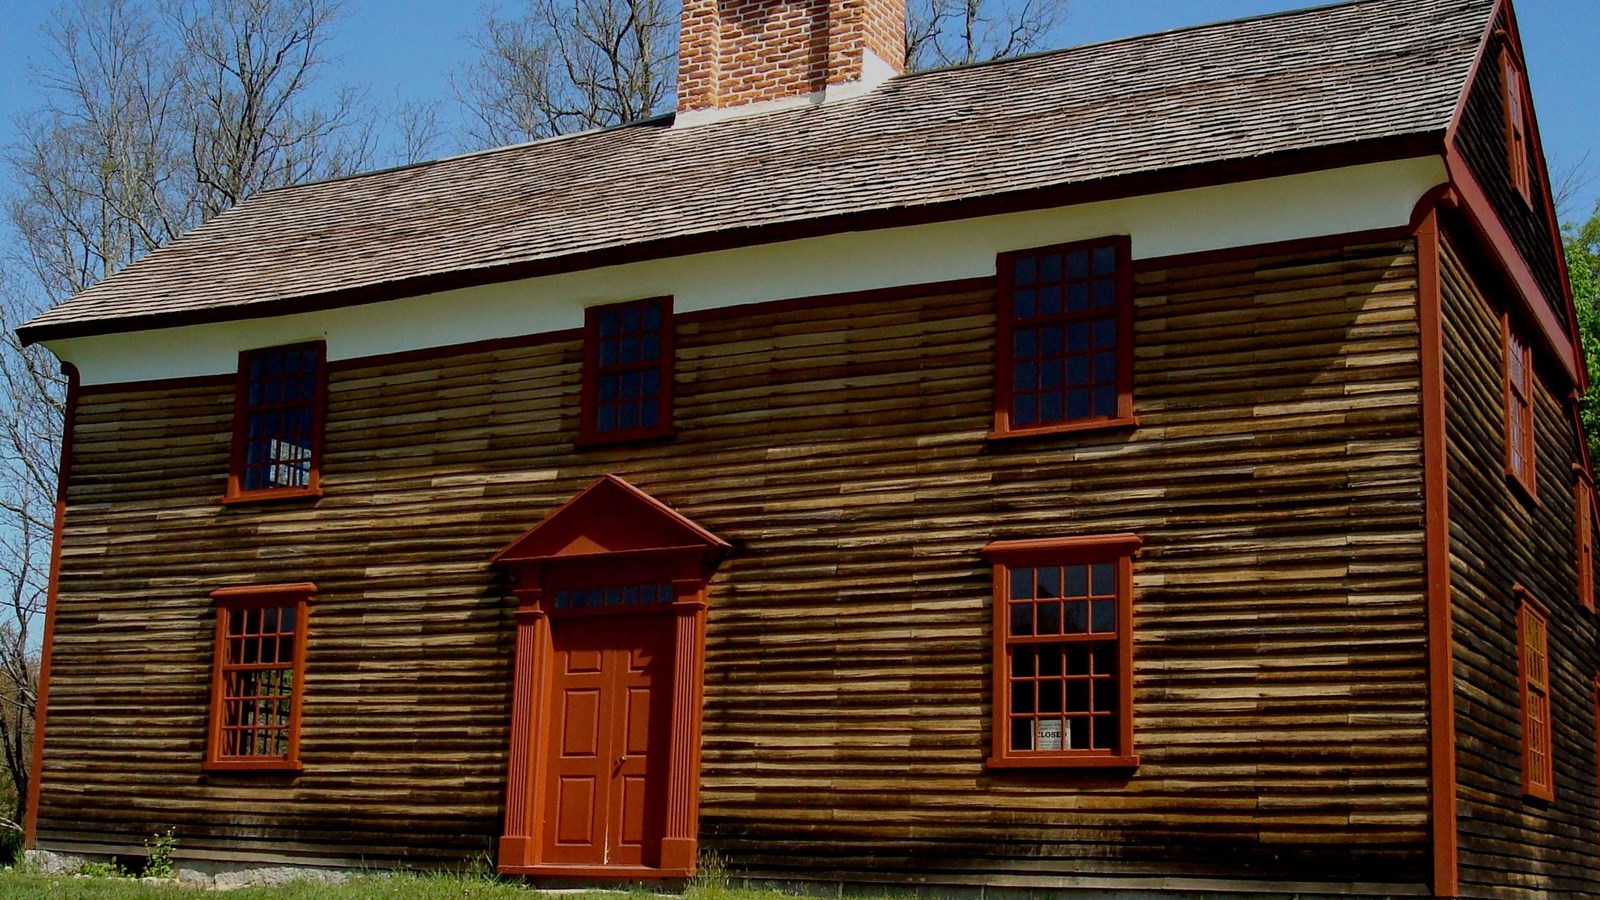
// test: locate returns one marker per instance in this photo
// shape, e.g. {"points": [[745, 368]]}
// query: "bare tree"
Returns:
{"points": [[1568, 179], [148, 123], [954, 32], [562, 66], [418, 133]]}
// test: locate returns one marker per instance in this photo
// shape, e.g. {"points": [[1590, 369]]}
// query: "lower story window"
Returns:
{"points": [[1063, 652], [257, 673]]}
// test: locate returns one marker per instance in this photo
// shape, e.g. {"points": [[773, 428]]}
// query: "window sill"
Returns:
{"points": [[1063, 761], [1522, 489], [1124, 423], [637, 436], [1536, 795], [270, 496], [252, 765]]}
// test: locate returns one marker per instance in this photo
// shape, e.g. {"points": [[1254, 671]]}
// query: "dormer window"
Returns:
{"points": [[1513, 88], [1065, 338], [278, 419], [627, 371]]}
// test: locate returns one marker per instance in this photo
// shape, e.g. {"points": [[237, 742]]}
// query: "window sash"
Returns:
{"points": [[1583, 517], [1521, 462], [256, 702], [1513, 88], [618, 401], [1538, 776], [277, 440]]}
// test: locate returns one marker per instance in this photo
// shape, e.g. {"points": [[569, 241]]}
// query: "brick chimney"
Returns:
{"points": [[733, 54]]}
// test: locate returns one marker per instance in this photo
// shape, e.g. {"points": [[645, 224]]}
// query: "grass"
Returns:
{"points": [[19, 884]]}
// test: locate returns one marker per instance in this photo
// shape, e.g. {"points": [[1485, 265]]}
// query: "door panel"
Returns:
{"points": [[606, 788]]}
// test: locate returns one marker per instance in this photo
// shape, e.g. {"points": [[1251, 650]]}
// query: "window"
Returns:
{"points": [[1584, 517], [257, 676], [1065, 331], [1519, 411], [277, 430], [1063, 652], [1514, 97], [627, 366], [1533, 655]]}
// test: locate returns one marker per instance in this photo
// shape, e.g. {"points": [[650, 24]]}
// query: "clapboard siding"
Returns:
{"points": [[1480, 137], [1279, 642], [1511, 846]]}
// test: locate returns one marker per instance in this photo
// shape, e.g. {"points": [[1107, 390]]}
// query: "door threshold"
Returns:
{"points": [[611, 873]]}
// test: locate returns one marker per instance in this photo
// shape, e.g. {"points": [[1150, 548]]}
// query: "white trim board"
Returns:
{"points": [[1335, 201]]}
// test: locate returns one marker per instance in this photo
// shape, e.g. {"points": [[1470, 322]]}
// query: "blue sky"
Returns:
{"points": [[406, 48]]}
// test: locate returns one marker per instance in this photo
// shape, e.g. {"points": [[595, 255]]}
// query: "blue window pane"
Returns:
{"points": [[649, 414], [308, 387], [291, 363], [1077, 404], [1050, 301], [1025, 377], [1105, 293], [1050, 373], [274, 365], [308, 360], [630, 385], [1050, 267], [1105, 334], [1050, 582], [1025, 269], [1076, 616], [1078, 264], [1024, 409], [607, 419], [650, 347], [1105, 367], [1103, 616], [1021, 584], [629, 351], [1025, 344], [608, 353], [1050, 407], [255, 368], [1075, 582], [1078, 371], [650, 383], [1105, 260], [1104, 579], [1077, 297], [630, 320], [1022, 619], [1077, 337], [1052, 339], [650, 317], [608, 324], [274, 391], [628, 416], [1022, 304], [1105, 400], [608, 388]]}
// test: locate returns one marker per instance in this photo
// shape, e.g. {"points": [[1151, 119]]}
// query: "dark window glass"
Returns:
{"points": [[280, 407]]}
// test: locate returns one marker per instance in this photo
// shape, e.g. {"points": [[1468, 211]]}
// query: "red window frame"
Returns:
{"points": [[1012, 711], [599, 368], [1533, 676], [1583, 517], [250, 622], [1521, 443], [1044, 306], [252, 398], [1514, 100]]}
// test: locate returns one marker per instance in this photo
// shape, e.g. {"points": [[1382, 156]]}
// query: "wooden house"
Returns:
{"points": [[1149, 466]]}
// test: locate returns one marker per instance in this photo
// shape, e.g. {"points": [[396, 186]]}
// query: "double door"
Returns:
{"points": [[606, 766]]}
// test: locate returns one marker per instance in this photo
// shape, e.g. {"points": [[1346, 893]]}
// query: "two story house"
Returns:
{"points": [[1150, 466]]}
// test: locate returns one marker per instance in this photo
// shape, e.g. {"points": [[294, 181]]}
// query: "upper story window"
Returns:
{"points": [[1533, 656], [278, 420], [1520, 443], [1065, 331], [1063, 652], [1513, 87], [257, 676], [627, 371], [1583, 516]]}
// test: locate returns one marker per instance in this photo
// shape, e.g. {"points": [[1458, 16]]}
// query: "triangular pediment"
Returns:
{"points": [[609, 516]]}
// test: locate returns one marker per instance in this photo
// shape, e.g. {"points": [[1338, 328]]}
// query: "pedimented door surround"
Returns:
{"points": [[610, 552]]}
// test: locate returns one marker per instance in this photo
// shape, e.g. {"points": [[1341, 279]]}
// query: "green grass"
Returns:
{"points": [[17, 884]]}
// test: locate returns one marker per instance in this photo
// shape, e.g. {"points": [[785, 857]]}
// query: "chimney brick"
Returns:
{"points": [[736, 52]]}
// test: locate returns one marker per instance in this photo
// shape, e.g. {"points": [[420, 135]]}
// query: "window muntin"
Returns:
{"points": [[1514, 99], [614, 596], [278, 422], [1065, 323], [1063, 652], [627, 389], [1583, 517], [257, 673], [1533, 655], [1520, 462]]}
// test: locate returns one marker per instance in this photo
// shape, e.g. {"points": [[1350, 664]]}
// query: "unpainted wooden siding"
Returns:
{"points": [[1512, 846], [1279, 615]]}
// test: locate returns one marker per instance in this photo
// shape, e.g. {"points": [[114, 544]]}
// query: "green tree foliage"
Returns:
{"points": [[1583, 262]]}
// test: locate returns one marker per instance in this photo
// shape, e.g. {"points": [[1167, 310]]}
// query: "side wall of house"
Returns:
{"points": [[1499, 539], [1280, 658]]}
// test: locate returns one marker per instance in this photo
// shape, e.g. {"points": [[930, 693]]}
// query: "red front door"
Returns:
{"points": [[605, 789]]}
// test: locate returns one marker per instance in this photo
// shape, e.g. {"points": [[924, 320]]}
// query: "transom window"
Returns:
{"points": [[1513, 95], [603, 597], [627, 388], [277, 441], [1533, 652], [1065, 332], [1520, 462], [257, 672], [1063, 651]]}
